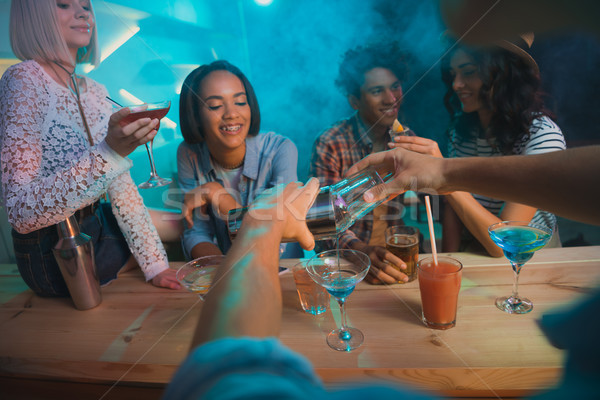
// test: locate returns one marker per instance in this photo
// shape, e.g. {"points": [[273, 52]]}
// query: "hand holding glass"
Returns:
{"points": [[335, 209], [149, 110], [519, 241], [339, 271], [403, 242]]}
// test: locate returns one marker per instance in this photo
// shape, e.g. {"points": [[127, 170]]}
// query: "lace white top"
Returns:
{"points": [[48, 169]]}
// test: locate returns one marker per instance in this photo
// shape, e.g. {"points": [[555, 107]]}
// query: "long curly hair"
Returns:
{"points": [[511, 89]]}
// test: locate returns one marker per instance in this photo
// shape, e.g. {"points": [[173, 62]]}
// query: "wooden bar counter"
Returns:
{"points": [[132, 343]]}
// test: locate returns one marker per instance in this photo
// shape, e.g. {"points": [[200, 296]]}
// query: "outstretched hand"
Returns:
{"points": [[125, 139], [210, 193], [284, 208], [245, 295]]}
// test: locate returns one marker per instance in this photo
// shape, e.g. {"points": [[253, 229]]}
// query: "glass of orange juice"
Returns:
{"points": [[439, 286]]}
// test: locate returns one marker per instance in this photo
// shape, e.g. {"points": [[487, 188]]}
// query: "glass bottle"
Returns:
{"points": [[336, 208]]}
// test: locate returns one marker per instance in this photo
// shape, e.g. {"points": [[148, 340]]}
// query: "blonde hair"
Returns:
{"points": [[35, 34]]}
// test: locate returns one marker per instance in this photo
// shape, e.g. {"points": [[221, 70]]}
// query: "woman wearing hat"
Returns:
{"points": [[494, 98]]}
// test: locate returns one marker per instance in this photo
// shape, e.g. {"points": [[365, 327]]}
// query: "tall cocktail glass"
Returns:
{"points": [[149, 110], [339, 271], [519, 241], [439, 285]]}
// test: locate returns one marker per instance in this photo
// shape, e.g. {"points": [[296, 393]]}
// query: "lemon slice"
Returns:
{"points": [[397, 127]]}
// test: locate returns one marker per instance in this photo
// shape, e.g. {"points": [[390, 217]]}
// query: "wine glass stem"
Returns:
{"points": [[151, 158], [516, 270], [344, 333]]}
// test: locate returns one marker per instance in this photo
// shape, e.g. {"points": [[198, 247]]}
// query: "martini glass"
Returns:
{"points": [[519, 241], [339, 271], [197, 275], [149, 110]]}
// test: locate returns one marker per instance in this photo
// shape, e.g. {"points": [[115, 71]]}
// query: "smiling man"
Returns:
{"points": [[371, 78]]}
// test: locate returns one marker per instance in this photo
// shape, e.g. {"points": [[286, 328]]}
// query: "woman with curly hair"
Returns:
{"points": [[495, 101]]}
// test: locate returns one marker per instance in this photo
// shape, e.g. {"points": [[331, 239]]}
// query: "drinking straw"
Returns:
{"points": [[431, 232], [113, 102]]}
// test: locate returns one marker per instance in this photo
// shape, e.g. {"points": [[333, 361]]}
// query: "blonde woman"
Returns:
{"points": [[62, 150]]}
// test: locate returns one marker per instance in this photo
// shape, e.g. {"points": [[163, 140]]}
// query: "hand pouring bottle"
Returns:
{"points": [[335, 209], [74, 254]]}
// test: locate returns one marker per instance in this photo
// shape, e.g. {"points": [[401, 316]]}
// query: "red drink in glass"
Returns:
{"points": [[149, 110], [439, 286], [156, 110]]}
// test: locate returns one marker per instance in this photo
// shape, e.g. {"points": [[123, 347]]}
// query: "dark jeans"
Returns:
{"points": [[38, 268]]}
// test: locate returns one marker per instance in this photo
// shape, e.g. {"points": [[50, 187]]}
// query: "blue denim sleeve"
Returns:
{"points": [[244, 368], [202, 231], [253, 368], [285, 163]]}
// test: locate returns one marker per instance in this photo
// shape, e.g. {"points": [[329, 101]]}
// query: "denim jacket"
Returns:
{"points": [[271, 159]]}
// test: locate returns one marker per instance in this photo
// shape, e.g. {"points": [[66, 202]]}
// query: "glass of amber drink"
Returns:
{"points": [[403, 242]]}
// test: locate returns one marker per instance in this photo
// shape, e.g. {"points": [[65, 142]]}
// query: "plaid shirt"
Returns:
{"points": [[334, 152]]}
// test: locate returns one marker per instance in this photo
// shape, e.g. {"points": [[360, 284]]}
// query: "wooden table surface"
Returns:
{"points": [[133, 342]]}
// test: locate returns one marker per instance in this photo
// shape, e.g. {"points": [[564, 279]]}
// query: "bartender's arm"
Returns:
{"points": [[245, 296], [566, 183]]}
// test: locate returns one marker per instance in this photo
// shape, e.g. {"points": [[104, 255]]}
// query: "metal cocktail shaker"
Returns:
{"points": [[74, 254]]}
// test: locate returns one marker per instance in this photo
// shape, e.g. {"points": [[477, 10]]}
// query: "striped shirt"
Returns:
{"points": [[544, 137]]}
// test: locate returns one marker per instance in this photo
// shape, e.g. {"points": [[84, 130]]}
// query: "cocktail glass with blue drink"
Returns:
{"points": [[339, 271], [519, 241]]}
